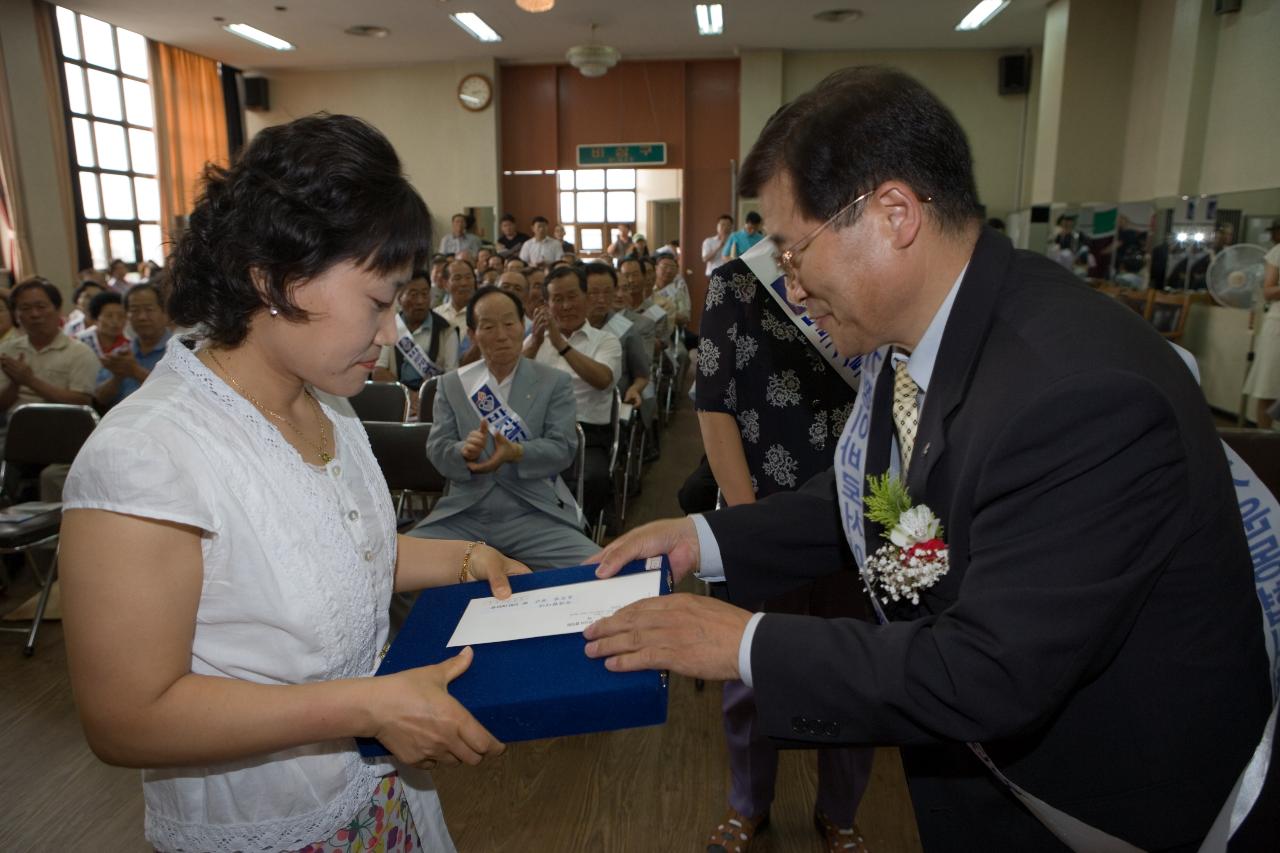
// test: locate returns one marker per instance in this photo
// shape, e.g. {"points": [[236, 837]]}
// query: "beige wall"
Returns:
{"points": [[1242, 124], [965, 80], [449, 153], [1053, 61], [38, 167]]}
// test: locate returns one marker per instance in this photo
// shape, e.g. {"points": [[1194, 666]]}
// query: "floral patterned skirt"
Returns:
{"points": [[382, 826]]}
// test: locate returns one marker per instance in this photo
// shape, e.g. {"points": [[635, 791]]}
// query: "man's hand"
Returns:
{"points": [[504, 451], [492, 565], [693, 635], [121, 363], [632, 397], [476, 442], [553, 331], [17, 369], [675, 537]]}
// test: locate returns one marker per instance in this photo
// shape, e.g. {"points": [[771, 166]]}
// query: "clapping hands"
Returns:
{"points": [[504, 450]]}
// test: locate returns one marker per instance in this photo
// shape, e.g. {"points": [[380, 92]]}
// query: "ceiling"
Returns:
{"points": [[422, 32]]}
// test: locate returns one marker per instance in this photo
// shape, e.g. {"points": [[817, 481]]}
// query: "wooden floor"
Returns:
{"points": [[638, 791]]}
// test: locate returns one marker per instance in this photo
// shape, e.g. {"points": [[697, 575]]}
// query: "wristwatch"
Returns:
{"points": [[566, 348]]}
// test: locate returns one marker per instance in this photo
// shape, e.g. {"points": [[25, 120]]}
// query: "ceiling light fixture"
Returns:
{"points": [[981, 15], [368, 31], [593, 59], [710, 19], [536, 6], [475, 26], [257, 36]]}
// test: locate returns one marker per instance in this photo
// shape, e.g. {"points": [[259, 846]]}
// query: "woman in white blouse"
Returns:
{"points": [[229, 547]]}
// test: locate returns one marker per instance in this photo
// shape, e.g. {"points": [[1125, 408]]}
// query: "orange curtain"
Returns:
{"points": [[45, 26], [17, 250], [191, 127]]}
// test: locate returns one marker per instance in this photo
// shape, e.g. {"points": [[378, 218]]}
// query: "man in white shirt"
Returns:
{"points": [[461, 284], [564, 339], [459, 240], [541, 248], [713, 246]]}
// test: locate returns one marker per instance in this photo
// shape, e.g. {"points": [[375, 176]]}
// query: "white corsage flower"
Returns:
{"points": [[915, 525]]}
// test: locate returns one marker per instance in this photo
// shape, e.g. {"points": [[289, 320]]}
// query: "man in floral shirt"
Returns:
{"points": [[770, 410]]}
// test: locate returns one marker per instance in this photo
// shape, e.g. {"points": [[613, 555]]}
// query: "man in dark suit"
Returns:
{"points": [[1098, 630]]}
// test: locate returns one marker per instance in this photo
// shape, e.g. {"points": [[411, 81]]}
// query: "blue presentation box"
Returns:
{"points": [[542, 687]]}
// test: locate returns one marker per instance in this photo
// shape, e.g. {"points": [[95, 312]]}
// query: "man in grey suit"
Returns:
{"points": [[635, 330], [503, 472]]}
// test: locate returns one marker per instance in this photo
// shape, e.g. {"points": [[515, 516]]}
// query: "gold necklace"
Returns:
{"points": [[325, 457]]}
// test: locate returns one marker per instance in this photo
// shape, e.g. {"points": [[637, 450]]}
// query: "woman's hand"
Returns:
{"points": [[422, 725], [492, 565]]}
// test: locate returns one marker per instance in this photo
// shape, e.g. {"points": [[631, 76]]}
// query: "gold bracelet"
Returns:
{"points": [[464, 575]]}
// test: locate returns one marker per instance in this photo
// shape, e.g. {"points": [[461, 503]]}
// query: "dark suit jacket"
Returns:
{"points": [[1098, 630]]}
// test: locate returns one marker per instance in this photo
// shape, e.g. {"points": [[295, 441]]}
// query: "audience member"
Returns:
{"points": [[514, 264], [624, 244], [517, 283], [713, 247], [510, 238], [78, 319], [98, 277], [562, 338], [502, 432], [541, 247], [559, 233], [638, 296], [462, 286], [740, 241], [537, 278], [639, 247], [635, 331], [439, 280], [670, 290], [43, 365], [107, 320], [482, 259], [117, 273], [771, 411], [459, 239], [426, 342], [489, 277], [124, 370], [497, 262]]}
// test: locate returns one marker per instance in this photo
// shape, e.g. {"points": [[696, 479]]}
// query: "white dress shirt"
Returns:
{"points": [[595, 405], [713, 247], [547, 250], [920, 367]]}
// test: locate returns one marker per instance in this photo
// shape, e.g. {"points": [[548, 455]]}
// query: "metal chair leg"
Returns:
{"points": [[52, 578]]}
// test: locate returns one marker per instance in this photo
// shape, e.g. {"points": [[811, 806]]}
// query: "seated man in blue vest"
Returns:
{"points": [[426, 342], [503, 430]]}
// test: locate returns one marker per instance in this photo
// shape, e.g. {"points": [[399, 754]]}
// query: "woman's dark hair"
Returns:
{"points": [[597, 268], [301, 198], [566, 272], [484, 291], [34, 283], [102, 300], [855, 130]]}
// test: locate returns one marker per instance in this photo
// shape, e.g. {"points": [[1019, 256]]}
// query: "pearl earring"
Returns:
{"points": [[274, 312]]}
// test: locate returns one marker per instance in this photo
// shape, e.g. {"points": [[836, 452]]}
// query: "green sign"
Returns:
{"points": [[638, 154]]}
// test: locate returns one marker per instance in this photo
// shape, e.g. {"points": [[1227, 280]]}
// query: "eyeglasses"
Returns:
{"points": [[790, 259]]}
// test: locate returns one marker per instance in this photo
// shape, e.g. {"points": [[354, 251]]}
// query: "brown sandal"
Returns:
{"points": [[837, 839], [736, 832]]}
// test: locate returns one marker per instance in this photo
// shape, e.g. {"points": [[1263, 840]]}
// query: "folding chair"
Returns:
{"points": [[382, 401], [577, 472], [401, 451], [427, 398], [631, 459], [40, 434]]}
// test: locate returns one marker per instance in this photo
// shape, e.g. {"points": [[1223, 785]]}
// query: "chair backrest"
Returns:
{"points": [[1169, 312], [615, 418], [382, 401], [401, 451], [1139, 301], [47, 433], [427, 398], [575, 474]]}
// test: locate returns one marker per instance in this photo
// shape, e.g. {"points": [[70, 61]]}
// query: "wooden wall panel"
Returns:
{"points": [[527, 196], [634, 102], [527, 123], [711, 138]]}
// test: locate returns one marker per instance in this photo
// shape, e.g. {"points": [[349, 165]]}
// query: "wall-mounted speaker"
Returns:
{"points": [[1015, 74], [256, 94], [1040, 214]]}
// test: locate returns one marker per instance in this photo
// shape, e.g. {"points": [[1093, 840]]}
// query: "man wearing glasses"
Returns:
{"points": [[124, 370], [1095, 637], [461, 284]]}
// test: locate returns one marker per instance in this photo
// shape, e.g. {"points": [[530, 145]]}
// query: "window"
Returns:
{"points": [[593, 202], [106, 82]]}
